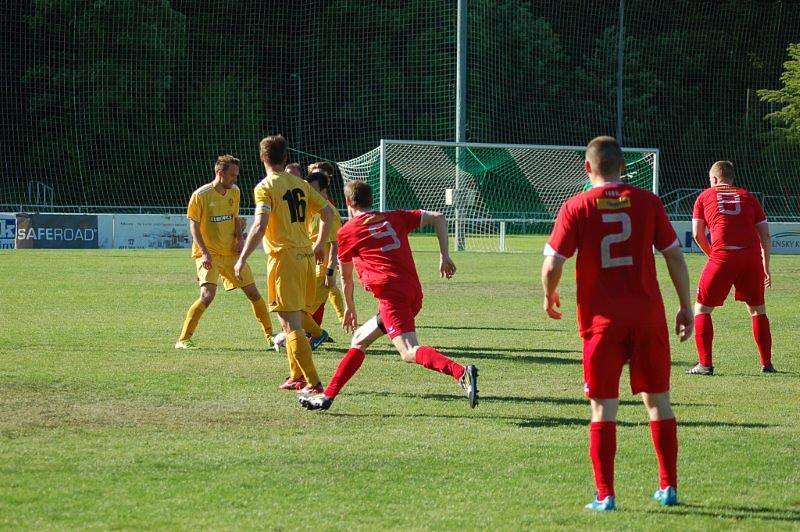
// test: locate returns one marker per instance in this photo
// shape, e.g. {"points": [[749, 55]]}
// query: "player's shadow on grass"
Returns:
{"points": [[492, 328], [544, 422], [731, 512]]}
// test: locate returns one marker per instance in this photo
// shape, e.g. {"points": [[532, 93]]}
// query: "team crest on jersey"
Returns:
{"points": [[610, 204], [223, 218]]}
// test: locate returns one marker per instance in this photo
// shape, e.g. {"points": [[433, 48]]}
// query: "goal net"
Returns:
{"points": [[494, 195]]}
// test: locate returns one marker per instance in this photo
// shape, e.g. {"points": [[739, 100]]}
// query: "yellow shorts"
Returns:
{"points": [[290, 279], [320, 294], [222, 266]]}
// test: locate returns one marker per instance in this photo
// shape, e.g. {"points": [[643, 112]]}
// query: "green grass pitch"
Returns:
{"points": [[104, 425]]}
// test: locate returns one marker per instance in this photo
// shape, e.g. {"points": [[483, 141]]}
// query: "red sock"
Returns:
{"points": [[665, 441], [602, 450], [318, 314], [344, 371], [430, 358], [763, 338], [704, 337]]}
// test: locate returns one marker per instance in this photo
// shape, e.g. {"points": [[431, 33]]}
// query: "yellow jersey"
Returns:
{"points": [[313, 231], [289, 202], [216, 214]]}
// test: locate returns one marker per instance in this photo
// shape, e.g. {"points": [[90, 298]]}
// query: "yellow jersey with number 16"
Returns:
{"points": [[288, 201]]}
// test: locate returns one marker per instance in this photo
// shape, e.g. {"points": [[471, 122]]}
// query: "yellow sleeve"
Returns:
{"points": [[195, 210], [336, 224], [314, 200], [237, 198], [263, 200]]}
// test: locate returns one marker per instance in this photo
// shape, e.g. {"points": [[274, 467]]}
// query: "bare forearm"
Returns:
{"points": [[702, 243], [440, 226], [551, 276], [766, 244], [194, 228], [333, 260], [253, 238], [347, 289]]}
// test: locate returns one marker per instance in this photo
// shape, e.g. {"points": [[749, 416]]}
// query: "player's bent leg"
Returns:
{"points": [[260, 311], [664, 433], [762, 336], [603, 450], [290, 323], [704, 340], [193, 315]]}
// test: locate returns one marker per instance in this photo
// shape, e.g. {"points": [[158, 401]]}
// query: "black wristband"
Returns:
{"points": [[330, 272]]}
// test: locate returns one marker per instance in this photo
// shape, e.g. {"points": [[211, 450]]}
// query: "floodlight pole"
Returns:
{"points": [[461, 111], [620, 59]]}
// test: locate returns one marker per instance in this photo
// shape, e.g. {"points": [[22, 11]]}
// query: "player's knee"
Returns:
{"points": [[758, 310], [207, 293], [251, 292], [699, 308]]}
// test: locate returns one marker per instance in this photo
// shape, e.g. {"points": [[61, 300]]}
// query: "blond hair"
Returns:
{"points": [[224, 162]]}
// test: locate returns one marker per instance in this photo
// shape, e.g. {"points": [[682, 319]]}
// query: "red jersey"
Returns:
{"points": [[731, 214], [614, 228], [377, 243]]}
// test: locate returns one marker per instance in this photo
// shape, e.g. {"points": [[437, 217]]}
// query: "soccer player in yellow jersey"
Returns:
{"points": [[334, 294], [283, 203], [217, 231]]}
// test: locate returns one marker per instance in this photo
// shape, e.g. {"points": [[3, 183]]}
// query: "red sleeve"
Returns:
{"points": [[699, 213], [665, 236], [345, 249], [563, 240], [411, 219], [758, 210]]}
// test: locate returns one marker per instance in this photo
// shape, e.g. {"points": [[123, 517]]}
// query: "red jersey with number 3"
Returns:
{"points": [[614, 229], [731, 214], [377, 244]]}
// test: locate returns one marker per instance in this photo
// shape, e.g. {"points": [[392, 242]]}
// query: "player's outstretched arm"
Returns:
{"points": [[699, 235], [679, 273], [552, 268], [194, 228], [447, 267], [766, 247], [331, 265], [253, 238], [350, 322]]}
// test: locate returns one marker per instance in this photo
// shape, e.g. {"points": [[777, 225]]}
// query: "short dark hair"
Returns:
{"points": [[320, 177], [359, 193], [273, 150], [723, 169], [605, 156], [224, 162]]}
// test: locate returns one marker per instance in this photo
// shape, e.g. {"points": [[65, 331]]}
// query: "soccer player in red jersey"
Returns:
{"points": [[738, 256], [376, 243], [614, 227]]}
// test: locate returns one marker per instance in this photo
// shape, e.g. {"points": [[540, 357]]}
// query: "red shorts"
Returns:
{"points": [[398, 309], [726, 268], [644, 348]]}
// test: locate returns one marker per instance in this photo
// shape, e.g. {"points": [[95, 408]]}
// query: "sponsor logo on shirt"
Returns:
{"points": [[222, 218], [610, 204]]}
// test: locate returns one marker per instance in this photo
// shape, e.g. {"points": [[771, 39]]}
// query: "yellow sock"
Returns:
{"points": [[262, 315], [337, 300], [297, 344], [311, 326], [192, 319], [295, 372]]}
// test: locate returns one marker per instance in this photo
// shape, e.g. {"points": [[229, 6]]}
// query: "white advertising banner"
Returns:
{"points": [[785, 237], [154, 231]]}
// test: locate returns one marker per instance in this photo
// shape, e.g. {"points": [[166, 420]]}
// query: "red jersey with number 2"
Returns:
{"points": [[614, 229], [731, 214], [377, 244]]}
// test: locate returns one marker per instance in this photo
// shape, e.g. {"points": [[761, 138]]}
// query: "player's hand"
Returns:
{"points": [[552, 304], [319, 252], [447, 267], [206, 261], [238, 267], [350, 322], [684, 324], [767, 279], [330, 281]]}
